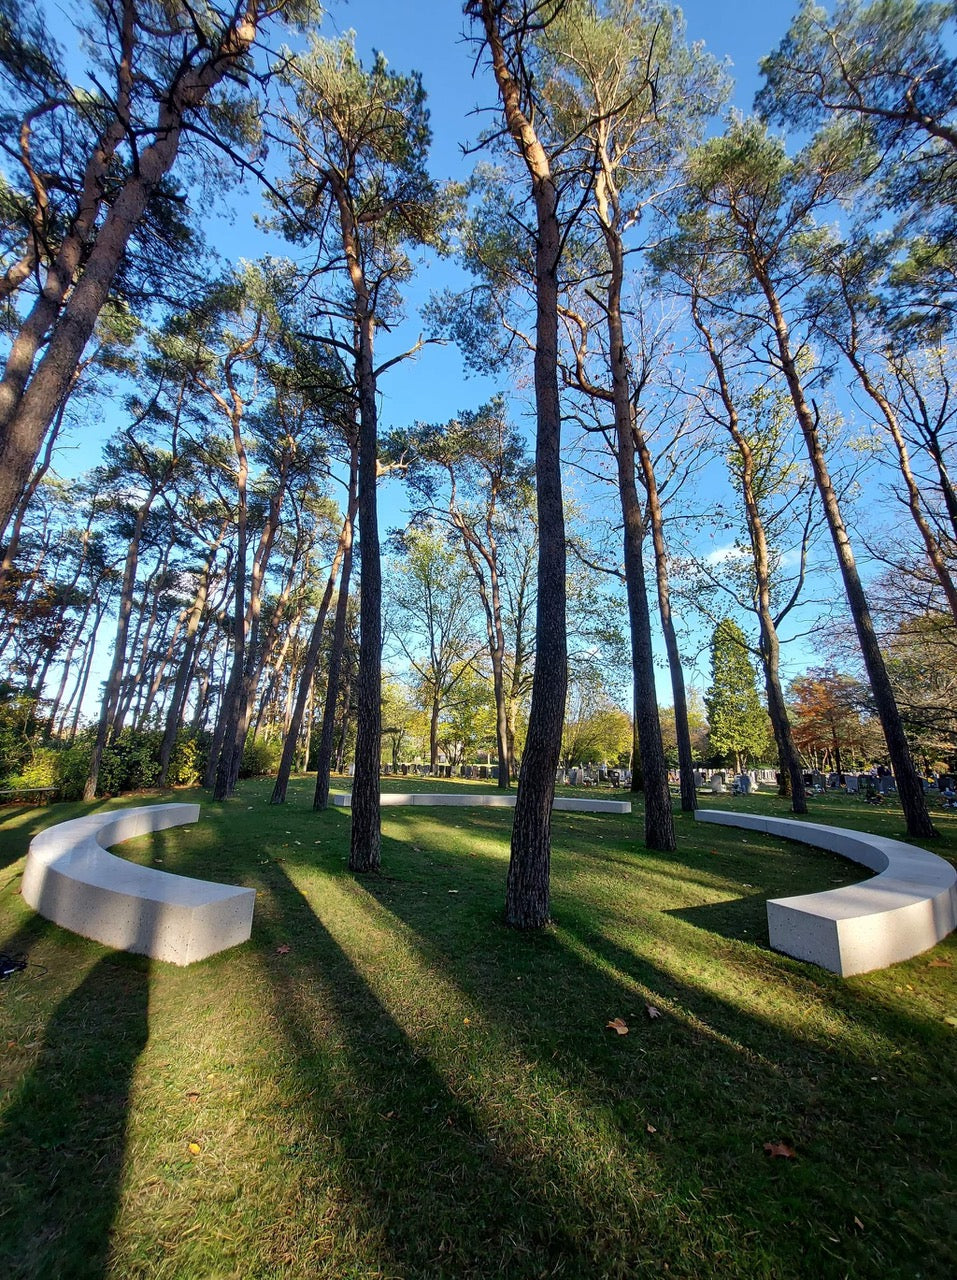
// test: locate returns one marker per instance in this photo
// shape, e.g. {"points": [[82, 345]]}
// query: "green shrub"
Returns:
{"points": [[260, 755], [18, 729], [131, 763], [188, 759], [72, 770], [41, 771]]}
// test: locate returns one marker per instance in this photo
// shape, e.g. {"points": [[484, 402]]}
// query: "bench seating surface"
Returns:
{"points": [[71, 878], [908, 907]]}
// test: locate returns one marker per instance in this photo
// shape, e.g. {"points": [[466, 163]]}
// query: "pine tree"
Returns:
{"points": [[737, 720]]}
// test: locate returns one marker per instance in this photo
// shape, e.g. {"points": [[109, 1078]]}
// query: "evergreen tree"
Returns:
{"points": [[737, 720]]}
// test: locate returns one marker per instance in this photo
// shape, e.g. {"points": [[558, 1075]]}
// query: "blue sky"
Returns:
{"points": [[429, 38]]}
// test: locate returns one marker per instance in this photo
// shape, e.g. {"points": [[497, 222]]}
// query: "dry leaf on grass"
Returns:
{"points": [[194, 1148], [652, 1012], [650, 1128], [283, 949], [939, 964], [619, 1025], [780, 1149]]}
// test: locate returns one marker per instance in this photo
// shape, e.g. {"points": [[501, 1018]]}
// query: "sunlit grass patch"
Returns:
{"points": [[387, 1082]]}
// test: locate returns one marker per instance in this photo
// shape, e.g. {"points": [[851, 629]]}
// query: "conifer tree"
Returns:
{"points": [[737, 720]]}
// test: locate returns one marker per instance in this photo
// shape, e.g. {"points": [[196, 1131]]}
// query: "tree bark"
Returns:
{"points": [[909, 785], [689, 795], [327, 734], [789, 758], [184, 669], [659, 820], [527, 890], [111, 693], [291, 740], [29, 397]]}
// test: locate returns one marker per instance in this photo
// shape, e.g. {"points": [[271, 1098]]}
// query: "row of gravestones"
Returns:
{"points": [[441, 771], [593, 775]]}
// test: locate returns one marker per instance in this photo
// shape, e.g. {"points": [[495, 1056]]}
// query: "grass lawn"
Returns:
{"points": [[386, 1082]]}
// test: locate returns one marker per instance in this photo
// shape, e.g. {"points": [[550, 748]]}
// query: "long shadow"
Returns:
{"points": [[407, 1141], [62, 1137], [417, 1166], [740, 1074], [18, 826]]}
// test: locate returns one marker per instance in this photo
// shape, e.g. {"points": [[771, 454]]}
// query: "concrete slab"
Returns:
{"points": [[905, 909], [72, 879]]}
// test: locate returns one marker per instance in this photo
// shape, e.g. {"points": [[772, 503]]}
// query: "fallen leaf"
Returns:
{"points": [[619, 1025], [652, 1012], [283, 949], [194, 1148], [193, 1096], [466, 1022], [650, 1128], [780, 1149], [939, 964]]}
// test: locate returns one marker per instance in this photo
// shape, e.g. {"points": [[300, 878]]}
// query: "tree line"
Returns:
{"points": [[688, 292]]}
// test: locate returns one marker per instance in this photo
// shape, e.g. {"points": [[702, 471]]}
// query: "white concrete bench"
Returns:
{"points": [[493, 801], [907, 907], [71, 879]]}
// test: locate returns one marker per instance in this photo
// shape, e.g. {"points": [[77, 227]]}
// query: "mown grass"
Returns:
{"points": [[386, 1082]]}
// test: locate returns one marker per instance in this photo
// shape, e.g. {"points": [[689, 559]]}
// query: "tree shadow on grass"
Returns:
{"points": [[740, 919], [421, 1182], [62, 1136], [715, 1078], [416, 1153]]}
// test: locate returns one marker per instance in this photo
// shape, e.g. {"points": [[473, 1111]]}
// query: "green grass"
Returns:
{"points": [[412, 1090]]}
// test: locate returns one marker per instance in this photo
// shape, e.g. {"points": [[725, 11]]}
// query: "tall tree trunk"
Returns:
{"points": [[112, 690], [67, 663], [659, 820], [527, 890], [29, 398], [291, 740], [13, 542], [221, 764], [327, 734], [365, 843], [936, 554], [75, 700], [491, 597], [689, 798], [909, 785], [184, 669], [789, 758], [434, 735]]}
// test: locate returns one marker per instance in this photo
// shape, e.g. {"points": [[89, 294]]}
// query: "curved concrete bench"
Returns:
{"points": [[71, 879], [907, 907], [493, 801]]}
